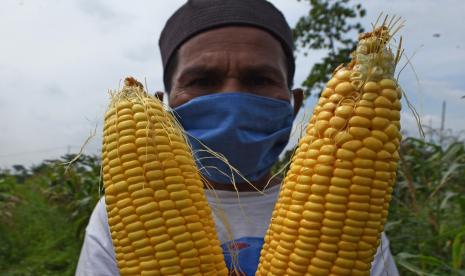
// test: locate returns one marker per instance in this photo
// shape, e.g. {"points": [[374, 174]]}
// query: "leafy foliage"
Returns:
{"points": [[7, 200], [41, 234], [77, 187], [427, 214], [328, 25]]}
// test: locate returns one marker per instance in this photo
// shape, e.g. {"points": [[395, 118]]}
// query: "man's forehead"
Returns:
{"points": [[233, 35], [240, 40]]}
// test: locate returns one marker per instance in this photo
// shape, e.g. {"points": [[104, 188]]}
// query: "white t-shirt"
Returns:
{"points": [[247, 222]]}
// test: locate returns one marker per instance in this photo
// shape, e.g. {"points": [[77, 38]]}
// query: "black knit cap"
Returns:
{"points": [[198, 16]]}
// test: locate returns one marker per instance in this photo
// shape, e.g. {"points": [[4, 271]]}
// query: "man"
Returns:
{"points": [[228, 71]]}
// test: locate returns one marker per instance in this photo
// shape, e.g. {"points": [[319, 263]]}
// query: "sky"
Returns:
{"points": [[58, 59]]}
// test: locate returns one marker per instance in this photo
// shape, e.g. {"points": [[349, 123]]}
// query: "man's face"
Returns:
{"points": [[230, 59]]}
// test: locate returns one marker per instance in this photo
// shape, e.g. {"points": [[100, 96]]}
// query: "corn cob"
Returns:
{"points": [[334, 200], [159, 218]]}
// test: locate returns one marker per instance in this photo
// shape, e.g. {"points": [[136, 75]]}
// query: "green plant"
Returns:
{"points": [[42, 233], [7, 199], [427, 214], [329, 25]]}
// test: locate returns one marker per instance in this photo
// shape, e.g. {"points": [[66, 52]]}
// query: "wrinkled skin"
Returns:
{"points": [[232, 59]]}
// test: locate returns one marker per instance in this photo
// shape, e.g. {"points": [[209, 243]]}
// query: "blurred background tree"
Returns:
{"points": [[329, 25]]}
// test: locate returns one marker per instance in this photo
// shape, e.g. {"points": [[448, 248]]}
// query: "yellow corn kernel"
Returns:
{"points": [[359, 132], [365, 112], [371, 87], [344, 111], [344, 88], [359, 121]]}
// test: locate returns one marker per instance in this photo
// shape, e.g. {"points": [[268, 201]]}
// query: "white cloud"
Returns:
{"points": [[98, 8], [442, 90]]}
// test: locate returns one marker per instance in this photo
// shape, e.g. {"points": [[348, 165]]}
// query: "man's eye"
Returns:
{"points": [[261, 81], [202, 82]]}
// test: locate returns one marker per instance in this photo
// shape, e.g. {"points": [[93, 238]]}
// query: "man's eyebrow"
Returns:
{"points": [[264, 69], [251, 69], [196, 70]]}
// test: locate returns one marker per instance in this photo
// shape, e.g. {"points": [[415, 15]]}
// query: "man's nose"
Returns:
{"points": [[232, 84]]}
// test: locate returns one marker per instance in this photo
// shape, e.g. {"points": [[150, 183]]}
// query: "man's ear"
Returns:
{"points": [[298, 94], [159, 95]]}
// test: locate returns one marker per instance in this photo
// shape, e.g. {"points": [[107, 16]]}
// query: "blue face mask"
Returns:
{"points": [[250, 131]]}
